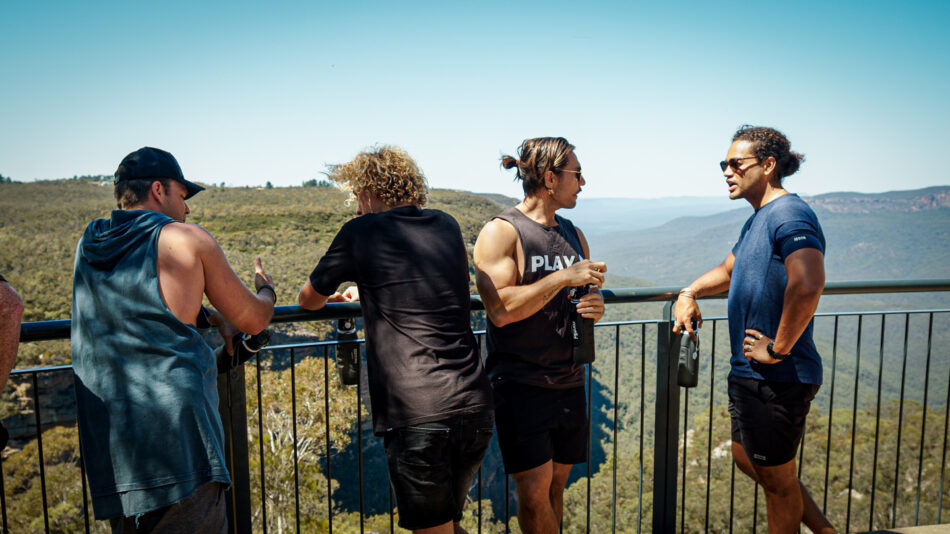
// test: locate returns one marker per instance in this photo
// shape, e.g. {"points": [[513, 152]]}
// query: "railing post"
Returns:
{"points": [[232, 406], [666, 429]]}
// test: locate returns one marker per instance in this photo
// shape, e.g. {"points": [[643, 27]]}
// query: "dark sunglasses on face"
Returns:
{"points": [[734, 163], [579, 176]]}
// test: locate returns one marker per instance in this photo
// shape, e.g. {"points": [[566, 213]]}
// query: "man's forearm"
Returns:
{"points": [[713, 282], [516, 303], [797, 311]]}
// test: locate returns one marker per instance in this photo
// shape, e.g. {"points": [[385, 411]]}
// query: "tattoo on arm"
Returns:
{"points": [[550, 294]]}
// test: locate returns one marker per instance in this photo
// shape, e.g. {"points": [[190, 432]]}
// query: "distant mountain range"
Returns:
{"points": [[605, 215]]}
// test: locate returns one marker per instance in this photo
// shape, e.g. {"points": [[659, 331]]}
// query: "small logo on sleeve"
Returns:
{"points": [[759, 457]]}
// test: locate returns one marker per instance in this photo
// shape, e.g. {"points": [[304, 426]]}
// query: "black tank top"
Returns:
{"points": [[538, 350]]}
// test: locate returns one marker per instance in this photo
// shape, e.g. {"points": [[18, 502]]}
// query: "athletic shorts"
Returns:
{"points": [[431, 466], [537, 424], [768, 418], [205, 511]]}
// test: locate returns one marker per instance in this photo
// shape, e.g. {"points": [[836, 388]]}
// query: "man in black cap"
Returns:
{"points": [[146, 388]]}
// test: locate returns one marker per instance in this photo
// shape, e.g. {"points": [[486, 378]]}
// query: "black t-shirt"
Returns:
{"points": [[411, 268], [538, 349]]}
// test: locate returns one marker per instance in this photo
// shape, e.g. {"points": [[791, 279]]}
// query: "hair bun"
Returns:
{"points": [[509, 162], [791, 164]]}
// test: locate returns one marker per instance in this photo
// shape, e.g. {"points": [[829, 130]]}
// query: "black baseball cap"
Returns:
{"points": [[152, 163]]}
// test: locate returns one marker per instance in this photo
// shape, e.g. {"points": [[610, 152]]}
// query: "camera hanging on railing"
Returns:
{"points": [[245, 347], [347, 352], [582, 328], [687, 352]]}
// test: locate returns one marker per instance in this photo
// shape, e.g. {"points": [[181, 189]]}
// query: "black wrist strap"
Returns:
{"points": [[268, 286], [775, 355]]}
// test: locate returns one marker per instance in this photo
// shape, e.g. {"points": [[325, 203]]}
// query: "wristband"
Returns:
{"points": [[775, 355], [687, 292], [268, 286]]}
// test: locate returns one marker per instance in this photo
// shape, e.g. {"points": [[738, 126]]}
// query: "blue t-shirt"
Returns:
{"points": [[757, 287]]}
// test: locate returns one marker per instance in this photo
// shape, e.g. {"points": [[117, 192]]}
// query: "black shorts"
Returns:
{"points": [[538, 424], [431, 466], [768, 418], [205, 510]]}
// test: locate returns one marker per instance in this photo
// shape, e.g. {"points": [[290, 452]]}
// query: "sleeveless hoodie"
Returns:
{"points": [[146, 383], [538, 350]]}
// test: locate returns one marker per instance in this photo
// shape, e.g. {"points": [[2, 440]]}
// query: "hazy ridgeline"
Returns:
{"points": [[290, 228]]}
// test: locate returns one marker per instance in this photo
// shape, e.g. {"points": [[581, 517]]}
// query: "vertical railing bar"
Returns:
{"points": [[755, 509], [943, 455], [478, 345], [3, 502], [683, 494], [854, 423], [643, 381], [326, 423], [831, 411], [507, 510], [260, 443], [900, 421], [590, 420], [801, 456], [392, 521], [39, 447], [3, 499], [82, 476], [293, 410], [666, 433], [923, 422], [479, 489], [613, 494], [712, 391], [359, 450], [732, 494], [877, 420]]}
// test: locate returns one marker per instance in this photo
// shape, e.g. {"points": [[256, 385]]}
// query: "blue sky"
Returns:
{"points": [[650, 93]]}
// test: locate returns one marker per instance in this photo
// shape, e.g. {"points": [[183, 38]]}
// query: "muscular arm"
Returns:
{"points": [[11, 311], [191, 263], [805, 269], [714, 281], [497, 273]]}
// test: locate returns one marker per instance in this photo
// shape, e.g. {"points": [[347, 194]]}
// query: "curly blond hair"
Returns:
{"points": [[386, 172]]}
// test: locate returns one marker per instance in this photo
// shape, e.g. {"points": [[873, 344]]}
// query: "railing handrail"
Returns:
{"points": [[59, 329]]}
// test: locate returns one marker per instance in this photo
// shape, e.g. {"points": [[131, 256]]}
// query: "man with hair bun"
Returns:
{"points": [[430, 397], [526, 261], [775, 275]]}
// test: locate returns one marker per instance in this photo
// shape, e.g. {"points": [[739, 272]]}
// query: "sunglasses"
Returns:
{"points": [[579, 176], [734, 163]]}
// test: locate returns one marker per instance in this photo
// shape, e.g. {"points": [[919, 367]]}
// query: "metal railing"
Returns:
{"points": [[647, 461]]}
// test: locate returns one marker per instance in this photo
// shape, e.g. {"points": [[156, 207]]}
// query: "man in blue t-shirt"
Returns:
{"points": [[775, 275]]}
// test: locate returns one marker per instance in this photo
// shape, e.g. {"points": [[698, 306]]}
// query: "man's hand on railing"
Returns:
{"points": [[351, 294], [685, 313]]}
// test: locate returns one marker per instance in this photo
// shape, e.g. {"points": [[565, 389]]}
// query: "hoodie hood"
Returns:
{"points": [[106, 241]]}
